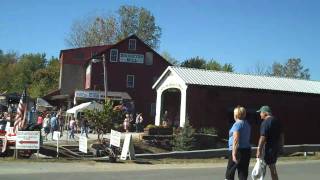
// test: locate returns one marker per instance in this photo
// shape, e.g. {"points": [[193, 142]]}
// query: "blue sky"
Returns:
{"points": [[240, 32]]}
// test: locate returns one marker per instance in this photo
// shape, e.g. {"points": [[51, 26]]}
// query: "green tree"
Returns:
{"points": [[27, 65], [293, 68], [7, 69], [103, 121], [32, 70], [195, 62], [201, 63], [45, 79], [214, 65], [102, 30]]}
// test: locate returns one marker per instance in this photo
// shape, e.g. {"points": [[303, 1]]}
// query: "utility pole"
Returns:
{"points": [[105, 80]]}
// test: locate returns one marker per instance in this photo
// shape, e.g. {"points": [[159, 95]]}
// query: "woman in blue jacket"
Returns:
{"points": [[239, 146]]}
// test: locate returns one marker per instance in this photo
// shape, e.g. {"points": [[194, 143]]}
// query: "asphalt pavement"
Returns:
{"points": [[15, 170]]}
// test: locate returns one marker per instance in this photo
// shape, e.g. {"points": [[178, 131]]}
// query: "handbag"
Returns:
{"points": [[259, 170]]}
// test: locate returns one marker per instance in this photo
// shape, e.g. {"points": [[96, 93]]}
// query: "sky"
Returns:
{"points": [[241, 32]]}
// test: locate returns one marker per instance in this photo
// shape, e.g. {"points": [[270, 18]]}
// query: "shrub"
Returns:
{"points": [[183, 138], [151, 126]]}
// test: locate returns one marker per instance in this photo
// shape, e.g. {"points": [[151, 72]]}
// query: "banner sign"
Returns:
{"points": [[83, 144], [131, 58], [28, 140], [89, 94], [56, 135], [115, 138]]}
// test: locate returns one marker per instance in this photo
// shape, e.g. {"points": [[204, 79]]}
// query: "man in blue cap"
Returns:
{"points": [[271, 139]]}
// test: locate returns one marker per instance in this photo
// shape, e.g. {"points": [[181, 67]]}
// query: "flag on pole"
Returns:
{"points": [[20, 118]]}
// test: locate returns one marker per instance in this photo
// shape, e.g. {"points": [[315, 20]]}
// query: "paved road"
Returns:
{"points": [[96, 171]]}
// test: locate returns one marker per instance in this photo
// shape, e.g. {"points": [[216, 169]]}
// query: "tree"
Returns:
{"points": [[214, 65], [93, 31], [169, 58], [27, 65], [102, 30], [292, 68], [200, 63], [260, 68], [33, 70], [45, 79], [139, 21], [103, 121], [195, 62], [183, 139]]}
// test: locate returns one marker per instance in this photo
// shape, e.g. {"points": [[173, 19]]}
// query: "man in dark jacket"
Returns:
{"points": [[271, 139]]}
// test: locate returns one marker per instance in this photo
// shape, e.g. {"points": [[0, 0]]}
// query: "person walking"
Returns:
{"points": [[271, 139], [72, 126], [126, 123], [46, 126], [84, 127], [40, 120], [53, 124], [61, 122], [139, 120], [239, 146]]}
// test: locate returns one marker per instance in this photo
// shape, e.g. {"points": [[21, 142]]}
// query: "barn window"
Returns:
{"points": [[113, 55], [132, 44]]}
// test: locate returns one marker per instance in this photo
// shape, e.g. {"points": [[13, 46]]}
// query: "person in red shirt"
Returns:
{"points": [[40, 119]]}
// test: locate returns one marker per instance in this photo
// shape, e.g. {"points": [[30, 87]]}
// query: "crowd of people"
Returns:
{"points": [[55, 121], [4, 118], [129, 124]]}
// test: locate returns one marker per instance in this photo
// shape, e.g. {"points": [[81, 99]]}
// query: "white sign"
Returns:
{"points": [[89, 94], [28, 140], [127, 148], [115, 138], [83, 144], [131, 58], [56, 135]]}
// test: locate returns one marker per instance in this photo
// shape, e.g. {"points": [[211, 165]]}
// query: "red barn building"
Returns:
{"points": [[131, 69], [207, 99], [72, 74]]}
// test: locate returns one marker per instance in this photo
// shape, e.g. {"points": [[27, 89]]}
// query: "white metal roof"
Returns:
{"points": [[227, 79]]}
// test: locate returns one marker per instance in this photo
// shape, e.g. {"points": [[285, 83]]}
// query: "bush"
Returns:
{"points": [[150, 126], [183, 138]]}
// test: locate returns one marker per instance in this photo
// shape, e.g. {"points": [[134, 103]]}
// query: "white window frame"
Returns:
{"points": [[128, 86], [111, 51], [131, 42]]}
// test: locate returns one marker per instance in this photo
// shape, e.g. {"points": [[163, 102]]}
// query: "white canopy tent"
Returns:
{"points": [[85, 106]]}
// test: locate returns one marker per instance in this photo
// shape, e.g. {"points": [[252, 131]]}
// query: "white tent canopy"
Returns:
{"points": [[85, 106]]}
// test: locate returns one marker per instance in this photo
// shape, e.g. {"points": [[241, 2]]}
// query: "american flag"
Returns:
{"points": [[20, 118]]}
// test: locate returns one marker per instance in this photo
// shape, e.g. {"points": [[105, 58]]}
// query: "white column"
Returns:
{"points": [[158, 108], [183, 106]]}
